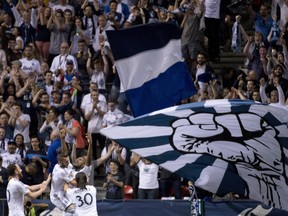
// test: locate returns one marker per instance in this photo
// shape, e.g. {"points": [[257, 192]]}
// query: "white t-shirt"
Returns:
{"points": [[30, 66], [11, 158], [99, 78], [15, 193], [212, 9], [87, 99], [60, 62], [96, 121], [148, 175], [114, 118], [23, 130]]}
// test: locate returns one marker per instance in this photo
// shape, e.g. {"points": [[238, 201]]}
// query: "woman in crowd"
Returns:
{"points": [[148, 177], [21, 149], [78, 32], [53, 120], [43, 33], [73, 131]]}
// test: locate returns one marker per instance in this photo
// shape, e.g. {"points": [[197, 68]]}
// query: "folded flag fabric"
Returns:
{"points": [[221, 145], [149, 63]]}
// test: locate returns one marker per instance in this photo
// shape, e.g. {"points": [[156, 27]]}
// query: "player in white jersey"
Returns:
{"points": [[16, 190], [85, 164], [84, 196], [29, 63], [63, 172]]}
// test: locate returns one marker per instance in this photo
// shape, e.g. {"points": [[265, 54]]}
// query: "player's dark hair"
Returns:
{"points": [[11, 169], [81, 180]]}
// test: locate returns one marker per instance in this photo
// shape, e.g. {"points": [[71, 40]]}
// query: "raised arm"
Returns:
{"points": [[281, 96], [251, 12], [105, 157], [106, 64], [20, 93], [16, 15], [33, 21], [37, 190], [246, 48], [135, 158], [64, 148], [263, 95], [90, 149], [73, 153]]}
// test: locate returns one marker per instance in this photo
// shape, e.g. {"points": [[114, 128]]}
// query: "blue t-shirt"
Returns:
{"points": [[263, 25], [52, 154]]}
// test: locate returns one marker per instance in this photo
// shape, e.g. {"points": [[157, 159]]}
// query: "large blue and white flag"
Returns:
{"points": [[149, 63], [221, 145]]}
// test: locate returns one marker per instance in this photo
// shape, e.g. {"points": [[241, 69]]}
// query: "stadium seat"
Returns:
{"points": [[128, 192], [185, 191]]}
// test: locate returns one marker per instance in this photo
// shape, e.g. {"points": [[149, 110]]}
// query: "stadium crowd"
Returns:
{"points": [[59, 82]]}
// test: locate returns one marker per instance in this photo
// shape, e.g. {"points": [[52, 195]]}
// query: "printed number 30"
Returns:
{"points": [[88, 199]]}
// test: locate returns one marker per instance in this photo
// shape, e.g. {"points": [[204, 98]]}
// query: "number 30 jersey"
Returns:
{"points": [[85, 200]]}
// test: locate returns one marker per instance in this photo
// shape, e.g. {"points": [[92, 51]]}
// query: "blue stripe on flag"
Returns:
{"points": [[232, 182], [271, 119], [131, 41], [193, 170], [144, 142], [169, 88], [166, 156], [159, 120]]}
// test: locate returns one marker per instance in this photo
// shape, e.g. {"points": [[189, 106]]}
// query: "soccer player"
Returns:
{"points": [[62, 173], [84, 196], [16, 190]]}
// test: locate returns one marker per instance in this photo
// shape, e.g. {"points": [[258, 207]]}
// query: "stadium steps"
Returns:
{"points": [[228, 59]]}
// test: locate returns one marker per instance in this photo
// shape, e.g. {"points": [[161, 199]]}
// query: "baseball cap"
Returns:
{"points": [[69, 61], [11, 142]]}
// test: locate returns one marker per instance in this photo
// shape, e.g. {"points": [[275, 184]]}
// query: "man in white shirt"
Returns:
{"points": [[87, 98], [30, 64], [60, 61], [114, 116], [21, 122], [94, 112], [16, 190], [11, 157], [3, 140]]}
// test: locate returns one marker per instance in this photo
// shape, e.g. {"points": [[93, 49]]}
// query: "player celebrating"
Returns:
{"points": [[16, 190], [84, 196]]}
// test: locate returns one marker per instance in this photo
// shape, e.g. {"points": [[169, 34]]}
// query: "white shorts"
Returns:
{"points": [[60, 200]]}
